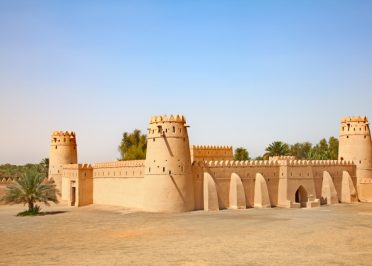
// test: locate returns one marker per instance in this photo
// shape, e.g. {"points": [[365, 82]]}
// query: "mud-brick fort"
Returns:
{"points": [[177, 177]]}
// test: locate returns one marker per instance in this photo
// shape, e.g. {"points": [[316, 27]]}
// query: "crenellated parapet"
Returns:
{"points": [[77, 166], [63, 138], [211, 147], [237, 164], [120, 164], [211, 153], [169, 119], [347, 119], [282, 157], [272, 163]]}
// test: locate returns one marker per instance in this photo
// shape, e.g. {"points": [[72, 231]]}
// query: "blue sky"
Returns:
{"points": [[244, 73]]}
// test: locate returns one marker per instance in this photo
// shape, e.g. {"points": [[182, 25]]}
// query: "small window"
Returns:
{"points": [[347, 137], [170, 172], [180, 130], [55, 147], [174, 129], [149, 169], [163, 169], [342, 158], [153, 139]]}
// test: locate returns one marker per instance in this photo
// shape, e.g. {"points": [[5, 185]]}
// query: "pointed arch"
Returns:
{"points": [[236, 194], [301, 196]]}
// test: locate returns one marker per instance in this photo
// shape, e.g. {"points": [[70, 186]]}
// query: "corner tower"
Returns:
{"points": [[62, 151], [355, 145], [168, 179]]}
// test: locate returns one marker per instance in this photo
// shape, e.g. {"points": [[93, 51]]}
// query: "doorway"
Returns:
{"points": [[301, 196], [73, 194]]}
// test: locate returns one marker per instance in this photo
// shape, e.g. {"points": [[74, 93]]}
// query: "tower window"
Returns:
{"points": [[174, 130], [170, 172], [163, 169], [180, 130], [55, 147], [149, 169]]}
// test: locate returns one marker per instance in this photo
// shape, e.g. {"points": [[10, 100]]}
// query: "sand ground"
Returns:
{"points": [[103, 235]]}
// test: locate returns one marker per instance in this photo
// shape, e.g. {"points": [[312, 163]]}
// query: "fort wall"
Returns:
{"points": [[77, 184], [119, 183], [177, 177], [295, 173], [211, 153]]}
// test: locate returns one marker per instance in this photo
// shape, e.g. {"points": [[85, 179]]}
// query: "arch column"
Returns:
{"points": [[236, 194], [210, 197]]}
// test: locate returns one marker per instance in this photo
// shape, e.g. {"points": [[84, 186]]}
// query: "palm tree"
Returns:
{"points": [[29, 189], [44, 164], [277, 148]]}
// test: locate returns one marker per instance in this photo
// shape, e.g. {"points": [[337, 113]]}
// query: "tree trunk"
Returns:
{"points": [[30, 206]]}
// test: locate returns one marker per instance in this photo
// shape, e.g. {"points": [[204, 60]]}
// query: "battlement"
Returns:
{"points": [[77, 166], [63, 134], [235, 163], [165, 118], [211, 153], [268, 163], [207, 147], [132, 163], [359, 119], [63, 137], [282, 158]]}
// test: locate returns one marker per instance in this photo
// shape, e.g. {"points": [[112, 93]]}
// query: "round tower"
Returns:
{"points": [[355, 144], [168, 179], [62, 151]]}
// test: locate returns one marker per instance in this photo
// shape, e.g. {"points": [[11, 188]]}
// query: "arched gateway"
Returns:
{"points": [[301, 196]]}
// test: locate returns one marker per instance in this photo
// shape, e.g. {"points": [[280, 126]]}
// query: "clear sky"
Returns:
{"points": [[244, 73]]}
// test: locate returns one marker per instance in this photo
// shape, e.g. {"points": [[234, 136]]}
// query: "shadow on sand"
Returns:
{"points": [[50, 213]]}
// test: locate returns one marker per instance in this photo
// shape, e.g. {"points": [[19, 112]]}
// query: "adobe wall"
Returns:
{"points": [[80, 178], [211, 153], [282, 177], [221, 171], [119, 183]]}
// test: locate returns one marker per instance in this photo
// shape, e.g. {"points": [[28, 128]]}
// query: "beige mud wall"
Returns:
{"points": [[119, 183], [221, 172], [211, 153]]}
